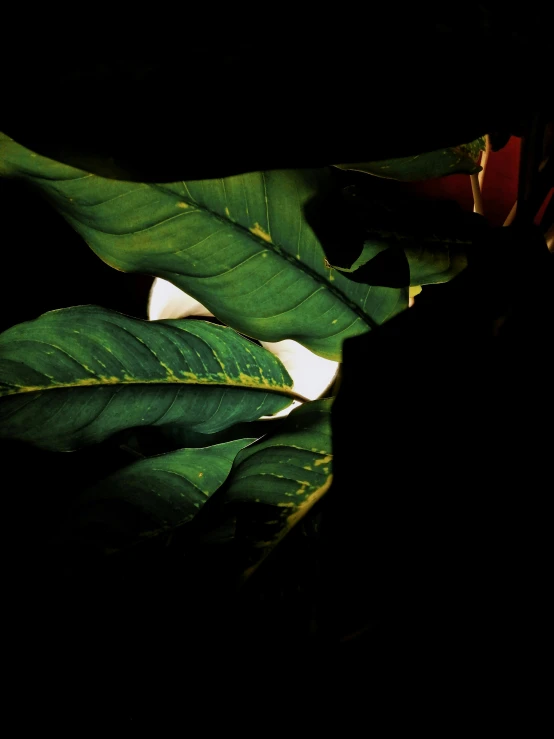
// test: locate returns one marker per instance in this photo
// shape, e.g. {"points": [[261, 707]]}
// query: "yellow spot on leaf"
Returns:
{"points": [[307, 504], [307, 467], [298, 512], [227, 213], [200, 474], [257, 230], [326, 459], [182, 204]]}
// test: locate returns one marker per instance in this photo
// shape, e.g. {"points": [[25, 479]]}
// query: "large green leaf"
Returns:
{"points": [[453, 160], [240, 245], [153, 495], [275, 481], [75, 376]]}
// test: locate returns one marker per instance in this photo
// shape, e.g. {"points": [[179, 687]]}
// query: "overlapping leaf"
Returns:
{"points": [[275, 481], [153, 495], [240, 245], [406, 242], [75, 376]]}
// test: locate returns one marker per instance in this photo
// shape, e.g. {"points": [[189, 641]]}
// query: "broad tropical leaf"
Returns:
{"points": [[155, 494], [75, 376], [275, 481], [240, 245], [453, 160]]}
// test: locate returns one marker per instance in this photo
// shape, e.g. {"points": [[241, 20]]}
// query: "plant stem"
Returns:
{"points": [[477, 198], [511, 215]]}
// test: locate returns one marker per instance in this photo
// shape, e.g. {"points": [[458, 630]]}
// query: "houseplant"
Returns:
{"points": [[243, 246], [205, 531]]}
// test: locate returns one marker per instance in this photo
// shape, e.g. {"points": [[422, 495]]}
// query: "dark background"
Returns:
{"points": [[46, 265]]}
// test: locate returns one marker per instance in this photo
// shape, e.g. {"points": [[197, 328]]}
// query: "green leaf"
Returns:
{"points": [[453, 160], [154, 440], [427, 263], [149, 497], [75, 376], [411, 242], [275, 481], [240, 245]]}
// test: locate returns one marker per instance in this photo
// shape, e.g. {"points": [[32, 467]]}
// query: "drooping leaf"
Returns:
{"points": [[275, 481], [452, 160], [153, 495], [420, 263], [411, 242], [240, 245], [75, 376]]}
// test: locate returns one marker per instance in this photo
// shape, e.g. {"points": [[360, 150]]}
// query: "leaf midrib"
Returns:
{"points": [[298, 263], [21, 390]]}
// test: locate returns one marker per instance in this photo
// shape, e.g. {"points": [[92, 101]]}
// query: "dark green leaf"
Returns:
{"points": [[75, 376], [419, 263], [153, 440], [276, 481], [240, 245], [453, 160], [413, 242], [153, 495]]}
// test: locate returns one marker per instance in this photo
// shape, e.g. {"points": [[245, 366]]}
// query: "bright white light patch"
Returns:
{"points": [[168, 301], [311, 374]]}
